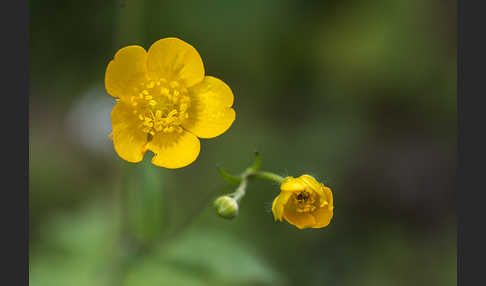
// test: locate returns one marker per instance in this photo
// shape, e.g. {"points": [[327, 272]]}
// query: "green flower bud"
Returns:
{"points": [[226, 207]]}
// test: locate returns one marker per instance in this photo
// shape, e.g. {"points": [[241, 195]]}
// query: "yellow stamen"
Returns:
{"points": [[161, 106], [164, 91], [150, 84]]}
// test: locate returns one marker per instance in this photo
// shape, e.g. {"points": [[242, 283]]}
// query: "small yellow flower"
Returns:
{"points": [[165, 102], [303, 202]]}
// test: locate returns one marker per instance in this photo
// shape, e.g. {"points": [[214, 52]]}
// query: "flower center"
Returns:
{"points": [[161, 106], [305, 201]]}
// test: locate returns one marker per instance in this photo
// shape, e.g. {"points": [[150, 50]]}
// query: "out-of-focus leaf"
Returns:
{"points": [[150, 272], [81, 251], [205, 257], [77, 250], [143, 200]]}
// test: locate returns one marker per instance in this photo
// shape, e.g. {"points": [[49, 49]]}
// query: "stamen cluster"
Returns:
{"points": [[305, 201], [161, 106]]}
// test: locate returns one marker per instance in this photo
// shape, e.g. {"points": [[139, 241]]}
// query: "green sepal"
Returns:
{"points": [[235, 180], [257, 163]]}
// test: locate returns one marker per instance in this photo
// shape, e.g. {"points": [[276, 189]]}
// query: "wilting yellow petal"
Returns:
{"points": [[129, 141], [314, 186], [126, 70], [292, 185], [323, 217], [210, 113], [328, 193], [174, 150], [175, 60], [310, 181], [300, 220], [279, 203]]}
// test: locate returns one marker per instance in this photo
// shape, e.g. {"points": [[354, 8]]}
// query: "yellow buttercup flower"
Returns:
{"points": [[165, 102], [304, 202]]}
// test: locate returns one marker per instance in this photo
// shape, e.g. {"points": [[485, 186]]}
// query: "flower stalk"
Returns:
{"points": [[249, 173], [241, 190], [221, 203], [268, 176]]}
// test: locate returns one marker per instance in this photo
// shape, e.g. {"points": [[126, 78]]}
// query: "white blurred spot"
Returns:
{"points": [[88, 122]]}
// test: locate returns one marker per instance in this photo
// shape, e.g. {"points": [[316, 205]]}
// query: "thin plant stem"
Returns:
{"points": [[240, 191], [250, 173], [268, 176]]}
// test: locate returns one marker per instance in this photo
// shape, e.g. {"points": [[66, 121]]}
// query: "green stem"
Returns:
{"points": [[240, 191], [268, 176], [249, 173]]}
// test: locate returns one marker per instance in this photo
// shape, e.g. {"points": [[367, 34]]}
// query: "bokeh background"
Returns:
{"points": [[360, 94]]}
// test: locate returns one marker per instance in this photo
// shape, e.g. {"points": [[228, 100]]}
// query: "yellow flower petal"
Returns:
{"points": [[292, 185], [210, 113], [174, 150], [129, 141], [300, 220], [310, 181], [318, 188], [323, 217], [175, 60], [126, 70], [306, 210], [329, 198], [279, 203]]}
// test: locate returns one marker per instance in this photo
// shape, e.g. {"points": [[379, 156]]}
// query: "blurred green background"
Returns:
{"points": [[360, 94]]}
